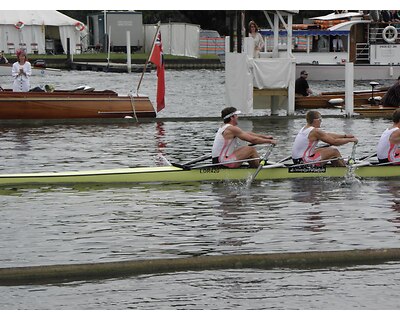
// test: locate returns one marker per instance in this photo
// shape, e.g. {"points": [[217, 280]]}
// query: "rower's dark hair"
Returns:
{"points": [[396, 115], [227, 111], [311, 116]]}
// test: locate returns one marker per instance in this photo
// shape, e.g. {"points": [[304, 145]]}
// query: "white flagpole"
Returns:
{"points": [[148, 58]]}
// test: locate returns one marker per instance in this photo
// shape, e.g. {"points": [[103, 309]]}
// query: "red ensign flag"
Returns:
{"points": [[158, 59]]}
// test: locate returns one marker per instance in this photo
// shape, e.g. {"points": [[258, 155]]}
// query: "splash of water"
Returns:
{"points": [[161, 160], [351, 178]]}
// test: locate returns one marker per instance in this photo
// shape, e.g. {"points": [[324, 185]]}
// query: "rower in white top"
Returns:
{"points": [[226, 149], [305, 148]]}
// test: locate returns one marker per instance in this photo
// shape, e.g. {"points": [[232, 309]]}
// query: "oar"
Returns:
{"points": [[199, 159], [351, 161], [187, 165], [352, 158], [368, 157], [263, 160], [362, 162], [388, 163], [202, 158], [285, 159], [273, 164]]}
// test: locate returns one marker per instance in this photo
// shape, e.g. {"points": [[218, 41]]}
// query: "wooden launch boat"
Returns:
{"points": [[72, 104], [330, 99], [375, 111]]}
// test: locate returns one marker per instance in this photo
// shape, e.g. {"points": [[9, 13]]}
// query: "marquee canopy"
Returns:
{"points": [[28, 29]]}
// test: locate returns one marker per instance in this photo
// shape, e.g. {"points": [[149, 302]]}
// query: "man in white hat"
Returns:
{"points": [[226, 149]]}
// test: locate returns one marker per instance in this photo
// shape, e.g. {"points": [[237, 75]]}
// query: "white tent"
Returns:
{"points": [[180, 39], [38, 30]]}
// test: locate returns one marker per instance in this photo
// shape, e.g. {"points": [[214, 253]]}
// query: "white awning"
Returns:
{"points": [[346, 26], [336, 16]]}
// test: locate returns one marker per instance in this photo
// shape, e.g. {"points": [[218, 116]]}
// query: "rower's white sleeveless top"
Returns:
{"points": [[302, 146], [385, 149], [223, 148]]}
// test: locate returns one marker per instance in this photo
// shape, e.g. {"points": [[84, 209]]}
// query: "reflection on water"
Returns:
{"points": [[390, 188]]}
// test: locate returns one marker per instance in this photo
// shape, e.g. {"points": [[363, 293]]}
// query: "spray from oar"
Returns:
{"points": [[350, 177], [161, 160]]}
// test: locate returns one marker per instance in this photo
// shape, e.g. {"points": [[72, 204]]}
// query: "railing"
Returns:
{"points": [[362, 52], [376, 34], [212, 45]]}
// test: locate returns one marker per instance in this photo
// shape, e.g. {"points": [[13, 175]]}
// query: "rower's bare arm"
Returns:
{"points": [[251, 138], [261, 135], [334, 139], [395, 137], [341, 135]]}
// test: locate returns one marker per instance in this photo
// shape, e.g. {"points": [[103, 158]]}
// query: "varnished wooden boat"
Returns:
{"points": [[72, 104], [325, 99], [375, 111]]}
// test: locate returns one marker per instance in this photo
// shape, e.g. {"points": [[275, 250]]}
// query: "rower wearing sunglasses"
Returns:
{"points": [[305, 148]]}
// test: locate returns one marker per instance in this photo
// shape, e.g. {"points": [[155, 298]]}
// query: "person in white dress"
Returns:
{"points": [[21, 72], [257, 37]]}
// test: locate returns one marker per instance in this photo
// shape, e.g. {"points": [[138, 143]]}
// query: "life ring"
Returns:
{"points": [[389, 34], [19, 25], [79, 26]]}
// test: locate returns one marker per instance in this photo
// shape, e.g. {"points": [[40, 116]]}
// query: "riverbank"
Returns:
{"points": [[117, 61]]}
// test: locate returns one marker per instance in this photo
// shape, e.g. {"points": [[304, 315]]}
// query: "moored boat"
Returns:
{"points": [[330, 99], [324, 46], [175, 173], [72, 104], [375, 111]]}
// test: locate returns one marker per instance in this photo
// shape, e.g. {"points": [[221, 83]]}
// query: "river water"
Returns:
{"points": [[65, 225]]}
